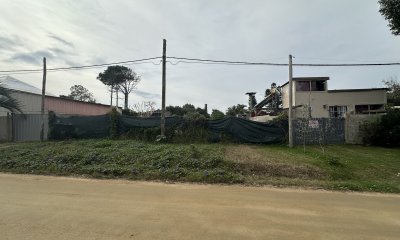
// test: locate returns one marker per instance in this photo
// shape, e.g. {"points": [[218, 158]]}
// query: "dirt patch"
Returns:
{"points": [[38, 207]]}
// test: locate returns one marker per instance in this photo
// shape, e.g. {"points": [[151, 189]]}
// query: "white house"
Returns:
{"points": [[311, 98]]}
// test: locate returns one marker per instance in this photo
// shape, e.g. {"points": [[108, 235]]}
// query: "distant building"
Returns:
{"points": [[30, 99], [311, 98], [27, 126]]}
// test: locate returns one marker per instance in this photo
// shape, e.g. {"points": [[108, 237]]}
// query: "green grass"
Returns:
{"points": [[339, 167]]}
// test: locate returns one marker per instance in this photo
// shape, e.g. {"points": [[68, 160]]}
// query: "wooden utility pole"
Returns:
{"points": [[163, 88], [290, 102], [43, 97]]}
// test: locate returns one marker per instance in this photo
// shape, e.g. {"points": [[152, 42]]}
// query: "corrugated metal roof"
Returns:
{"points": [[15, 84]]}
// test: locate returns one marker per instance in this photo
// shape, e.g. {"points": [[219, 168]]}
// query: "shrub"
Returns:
{"points": [[385, 131], [115, 124], [282, 121]]}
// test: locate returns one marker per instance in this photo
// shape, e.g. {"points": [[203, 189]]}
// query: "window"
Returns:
{"points": [[337, 111], [368, 109], [315, 85]]}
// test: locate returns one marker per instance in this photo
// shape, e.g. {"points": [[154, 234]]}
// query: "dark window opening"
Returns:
{"points": [[315, 85], [367, 109]]}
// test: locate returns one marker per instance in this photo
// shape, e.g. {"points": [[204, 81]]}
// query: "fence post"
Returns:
{"points": [[43, 100], [8, 127], [163, 88]]}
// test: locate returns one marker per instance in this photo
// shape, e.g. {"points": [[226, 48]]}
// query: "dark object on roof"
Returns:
{"points": [[310, 79]]}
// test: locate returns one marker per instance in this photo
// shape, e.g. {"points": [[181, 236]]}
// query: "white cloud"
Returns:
{"points": [[91, 32]]}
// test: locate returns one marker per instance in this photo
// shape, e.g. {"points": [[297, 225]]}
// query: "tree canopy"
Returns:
{"points": [[217, 114], [390, 9], [393, 95], [187, 110], [80, 93], [7, 101], [121, 79], [235, 110]]}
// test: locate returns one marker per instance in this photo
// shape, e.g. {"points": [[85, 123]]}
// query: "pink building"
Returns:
{"points": [[30, 99], [73, 107]]}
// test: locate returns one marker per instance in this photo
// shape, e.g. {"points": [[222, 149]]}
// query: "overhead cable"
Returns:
{"points": [[80, 67], [211, 61]]}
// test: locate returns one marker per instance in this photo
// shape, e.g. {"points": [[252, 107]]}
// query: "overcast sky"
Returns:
{"points": [[84, 32]]}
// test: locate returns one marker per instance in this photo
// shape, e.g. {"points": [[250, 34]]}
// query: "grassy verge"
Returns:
{"points": [[340, 167]]}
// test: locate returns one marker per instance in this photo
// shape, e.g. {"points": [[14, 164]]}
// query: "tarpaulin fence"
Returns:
{"points": [[239, 130]]}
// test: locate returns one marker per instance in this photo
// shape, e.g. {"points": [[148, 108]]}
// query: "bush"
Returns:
{"points": [[384, 132], [282, 121], [148, 134], [115, 124], [128, 112]]}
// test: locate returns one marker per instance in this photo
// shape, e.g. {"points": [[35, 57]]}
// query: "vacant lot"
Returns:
{"points": [[43, 207], [339, 167]]}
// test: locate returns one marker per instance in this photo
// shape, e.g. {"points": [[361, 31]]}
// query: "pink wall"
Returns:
{"points": [[66, 106]]}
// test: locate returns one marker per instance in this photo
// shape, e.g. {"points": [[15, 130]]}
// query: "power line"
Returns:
{"points": [[80, 67], [194, 61], [210, 61]]}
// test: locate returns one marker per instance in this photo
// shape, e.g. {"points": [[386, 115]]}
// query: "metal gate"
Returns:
{"points": [[26, 127]]}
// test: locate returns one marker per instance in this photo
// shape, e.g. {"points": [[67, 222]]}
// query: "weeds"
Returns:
{"points": [[339, 167]]}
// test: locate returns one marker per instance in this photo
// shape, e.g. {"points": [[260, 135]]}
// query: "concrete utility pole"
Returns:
{"points": [[290, 102], [43, 97], [163, 88]]}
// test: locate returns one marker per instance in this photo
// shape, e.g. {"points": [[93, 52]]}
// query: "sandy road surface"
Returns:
{"points": [[38, 207]]}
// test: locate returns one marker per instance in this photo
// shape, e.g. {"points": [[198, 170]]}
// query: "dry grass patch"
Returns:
{"points": [[252, 160]]}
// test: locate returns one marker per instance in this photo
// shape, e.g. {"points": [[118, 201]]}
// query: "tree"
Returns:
{"points": [[120, 79], [187, 109], [235, 110], [390, 9], [7, 101], [217, 114], [393, 95], [203, 112], [175, 110], [80, 93], [145, 108]]}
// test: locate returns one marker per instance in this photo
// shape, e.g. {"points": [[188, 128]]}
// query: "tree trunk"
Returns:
{"points": [[116, 101], [111, 96], [126, 101]]}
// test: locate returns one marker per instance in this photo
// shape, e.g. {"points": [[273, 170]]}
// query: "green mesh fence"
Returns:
{"points": [[239, 130], [246, 131], [65, 127]]}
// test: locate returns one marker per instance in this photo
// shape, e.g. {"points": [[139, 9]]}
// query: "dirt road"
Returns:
{"points": [[37, 207]]}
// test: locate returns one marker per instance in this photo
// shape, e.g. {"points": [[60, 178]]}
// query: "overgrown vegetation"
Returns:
{"points": [[121, 159], [340, 167], [188, 111], [393, 94], [383, 132]]}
